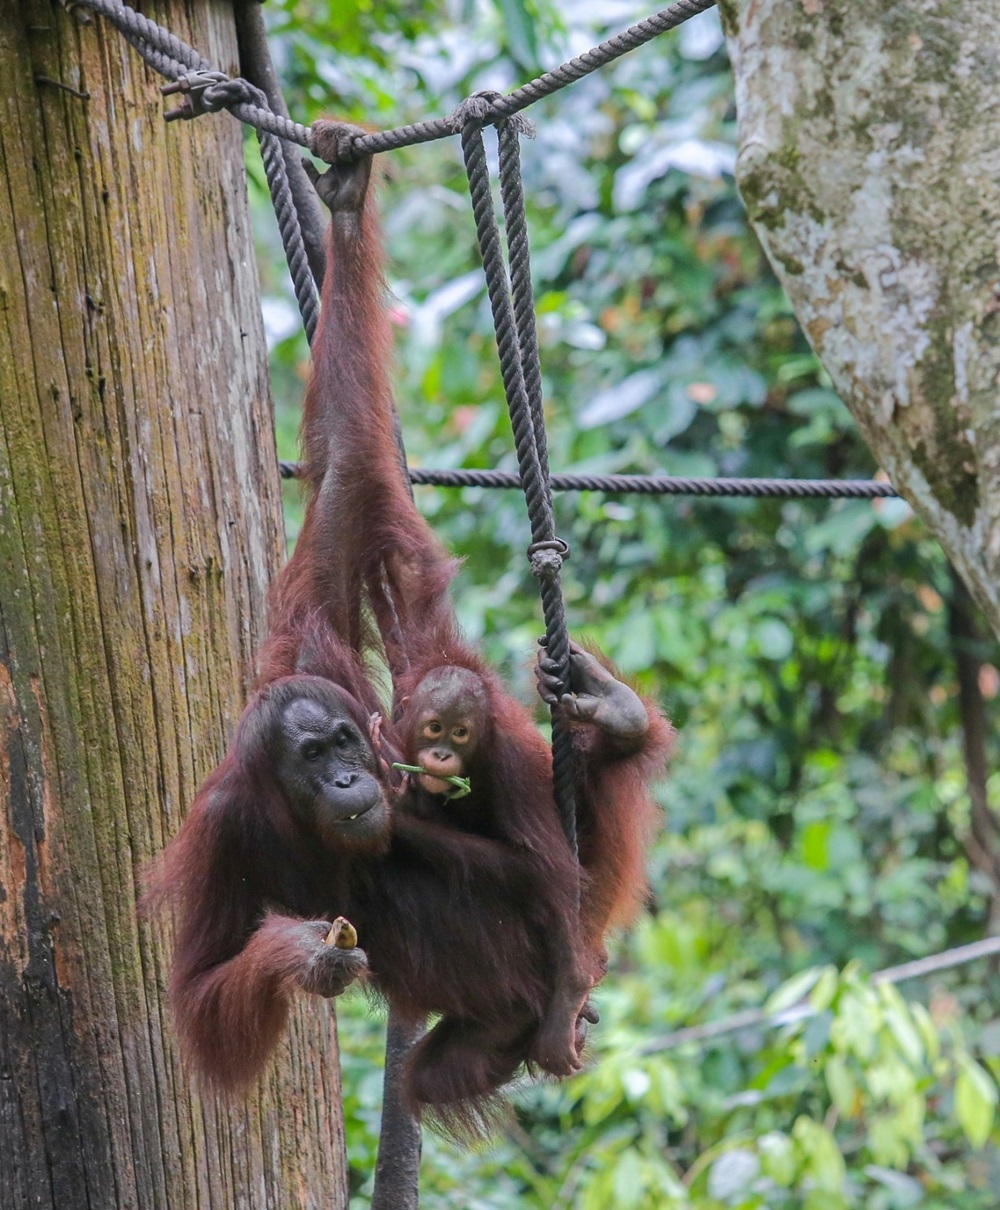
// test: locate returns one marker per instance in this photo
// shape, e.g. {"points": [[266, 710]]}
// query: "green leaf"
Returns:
{"points": [[815, 836], [856, 1025], [777, 1154], [627, 1183], [793, 990], [519, 31], [823, 994], [904, 1032], [927, 1030], [975, 1101], [842, 1085], [822, 1156], [886, 1141]]}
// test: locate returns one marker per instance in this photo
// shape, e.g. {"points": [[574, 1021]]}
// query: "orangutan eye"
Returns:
{"points": [[460, 734], [311, 751], [433, 728], [343, 737]]}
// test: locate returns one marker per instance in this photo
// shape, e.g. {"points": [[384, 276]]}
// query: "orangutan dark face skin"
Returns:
{"points": [[446, 719], [327, 770]]}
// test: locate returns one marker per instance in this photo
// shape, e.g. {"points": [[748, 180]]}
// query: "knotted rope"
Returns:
{"points": [[514, 321]]}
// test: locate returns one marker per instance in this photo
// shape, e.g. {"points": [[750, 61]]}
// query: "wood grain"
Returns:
{"points": [[139, 528]]}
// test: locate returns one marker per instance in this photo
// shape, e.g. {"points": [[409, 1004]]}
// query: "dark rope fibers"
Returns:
{"points": [[653, 485], [515, 344], [173, 58]]}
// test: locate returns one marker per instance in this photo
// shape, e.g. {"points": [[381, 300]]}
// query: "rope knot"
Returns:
{"points": [[236, 91], [476, 108], [480, 109], [547, 558], [333, 142]]}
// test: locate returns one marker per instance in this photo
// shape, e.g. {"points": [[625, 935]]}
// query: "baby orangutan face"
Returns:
{"points": [[446, 722]]}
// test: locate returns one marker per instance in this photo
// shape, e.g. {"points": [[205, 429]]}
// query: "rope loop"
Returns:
{"points": [[210, 92], [228, 92], [480, 109], [547, 557], [171, 57], [475, 110]]}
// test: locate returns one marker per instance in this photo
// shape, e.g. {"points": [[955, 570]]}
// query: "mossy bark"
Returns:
{"points": [[869, 163], [139, 528]]}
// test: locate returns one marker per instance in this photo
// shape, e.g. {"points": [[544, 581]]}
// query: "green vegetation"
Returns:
{"points": [[817, 814]]}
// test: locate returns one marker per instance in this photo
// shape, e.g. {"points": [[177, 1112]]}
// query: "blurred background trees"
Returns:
{"points": [[830, 805]]}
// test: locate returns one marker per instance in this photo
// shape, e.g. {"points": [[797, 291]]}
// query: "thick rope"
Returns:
{"points": [[668, 485], [542, 86], [213, 90], [303, 283], [516, 232], [257, 67], [546, 550], [206, 90], [173, 58], [654, 485]]}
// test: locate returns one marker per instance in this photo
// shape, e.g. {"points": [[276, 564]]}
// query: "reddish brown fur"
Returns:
{"points": [[491, 949], [470, 911], [616, 819], [243, 876], [241, 860]]}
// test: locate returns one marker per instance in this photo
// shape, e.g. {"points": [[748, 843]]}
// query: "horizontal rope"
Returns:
{"points": [[946, 960], [173, 58], [654, 485], [542, 86]]}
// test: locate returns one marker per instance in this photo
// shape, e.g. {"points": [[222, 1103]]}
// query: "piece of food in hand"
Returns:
{"points": [[342, 934]]}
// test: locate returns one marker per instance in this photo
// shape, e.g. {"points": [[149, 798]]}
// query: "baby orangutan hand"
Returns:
{"points": [[596, 695]]}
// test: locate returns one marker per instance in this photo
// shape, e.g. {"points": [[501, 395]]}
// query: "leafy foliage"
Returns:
{"points": [[818, 815]]}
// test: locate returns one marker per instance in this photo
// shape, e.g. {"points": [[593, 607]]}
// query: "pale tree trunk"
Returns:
{"points": [[139, 528], [869, 163]]}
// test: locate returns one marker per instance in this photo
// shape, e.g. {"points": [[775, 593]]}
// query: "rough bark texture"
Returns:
{"points": [[870, 166], [139, 527]]}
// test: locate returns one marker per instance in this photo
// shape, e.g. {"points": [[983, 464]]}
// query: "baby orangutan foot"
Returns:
{"points": [[588, 1015], [562, 1033]]}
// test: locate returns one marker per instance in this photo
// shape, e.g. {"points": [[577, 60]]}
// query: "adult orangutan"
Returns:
{"points": [[465, 906]]}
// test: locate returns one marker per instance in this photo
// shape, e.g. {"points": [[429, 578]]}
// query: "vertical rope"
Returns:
{"points": [[546, 549], [291, 233], [516, 230]]}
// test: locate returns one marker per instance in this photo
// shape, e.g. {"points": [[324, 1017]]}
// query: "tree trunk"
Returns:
{"points": [[139, 528], [870, 166]]}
